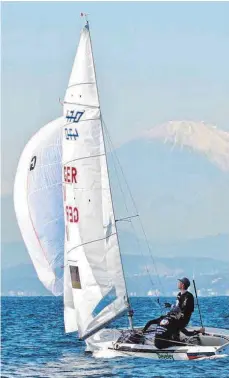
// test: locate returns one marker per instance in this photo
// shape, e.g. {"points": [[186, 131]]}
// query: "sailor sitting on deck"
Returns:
{"points": [[184, 305], [167, 331], [184, 302], [168, 326]]}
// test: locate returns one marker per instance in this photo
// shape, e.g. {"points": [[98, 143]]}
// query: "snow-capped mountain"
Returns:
{"points": [[178, 175], [199, 136]]}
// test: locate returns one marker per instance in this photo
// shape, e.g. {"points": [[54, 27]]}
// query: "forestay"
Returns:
{"points": [[39, 204], [91, 244]]}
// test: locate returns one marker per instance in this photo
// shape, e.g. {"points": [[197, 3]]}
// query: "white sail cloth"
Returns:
{"points": [[64, 209], [38, 199], [39, 205], [91, 244]]}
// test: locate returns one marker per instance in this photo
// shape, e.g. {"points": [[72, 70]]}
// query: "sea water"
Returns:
{"points": [[34, 343]]}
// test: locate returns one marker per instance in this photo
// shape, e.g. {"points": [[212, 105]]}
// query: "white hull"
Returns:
{"points": [[213, 344]]}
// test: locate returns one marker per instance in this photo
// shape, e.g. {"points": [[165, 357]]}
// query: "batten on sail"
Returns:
{"points": [[91, 244]]}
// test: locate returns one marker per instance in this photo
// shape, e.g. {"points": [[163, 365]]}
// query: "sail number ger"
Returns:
{"points": [[70, 174]]}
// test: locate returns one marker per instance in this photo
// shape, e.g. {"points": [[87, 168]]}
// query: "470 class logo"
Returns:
{"points": [[74, 116]]}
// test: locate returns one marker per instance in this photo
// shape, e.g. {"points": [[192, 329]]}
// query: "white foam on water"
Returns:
{"points": [[106, 353], [216, 357]]}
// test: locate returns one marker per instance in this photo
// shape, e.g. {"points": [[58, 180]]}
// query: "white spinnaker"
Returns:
{"points": [[39, 205], [91, 243], [38, 200]]}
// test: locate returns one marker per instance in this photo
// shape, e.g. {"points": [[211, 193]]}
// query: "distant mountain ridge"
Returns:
{"points": [[209, 247], [199, 136], [180, 184], [15, 253], [172, 261], [211, 276], [178, 174]]}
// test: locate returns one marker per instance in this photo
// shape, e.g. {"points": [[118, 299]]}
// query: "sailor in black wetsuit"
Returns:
{"points": [[185, 302], [184, 305], [168, 326]]}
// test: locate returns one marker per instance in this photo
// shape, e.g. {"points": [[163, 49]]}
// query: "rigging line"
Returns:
{"points": [[132, 226], [130, 315], [133, 229], [135, 206], [138, 282], [124, 199], [126, 218], [119, 183], [89, 119], [92, 241]]}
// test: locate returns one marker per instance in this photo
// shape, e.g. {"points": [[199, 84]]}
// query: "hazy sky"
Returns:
{"points": [[155, 62]]}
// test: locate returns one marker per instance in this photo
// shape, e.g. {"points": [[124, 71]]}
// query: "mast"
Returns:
{"points": [[130, 311]]}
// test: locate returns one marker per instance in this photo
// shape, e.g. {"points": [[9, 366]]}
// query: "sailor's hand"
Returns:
{"points": [[167, 305], [197, 331]]}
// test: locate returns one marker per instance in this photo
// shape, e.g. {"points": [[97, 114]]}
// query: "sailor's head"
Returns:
{"points": [[183, 283]]}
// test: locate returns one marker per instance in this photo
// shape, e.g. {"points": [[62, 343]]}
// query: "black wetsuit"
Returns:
{"points": [[168, 326], [166, 333], [185, 302]]}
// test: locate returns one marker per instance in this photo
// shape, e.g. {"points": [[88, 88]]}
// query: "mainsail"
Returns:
{"points": [[91, 244], [39, 205]]}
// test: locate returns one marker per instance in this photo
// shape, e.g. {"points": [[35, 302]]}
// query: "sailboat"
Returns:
{"points": [[63, 203]]}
